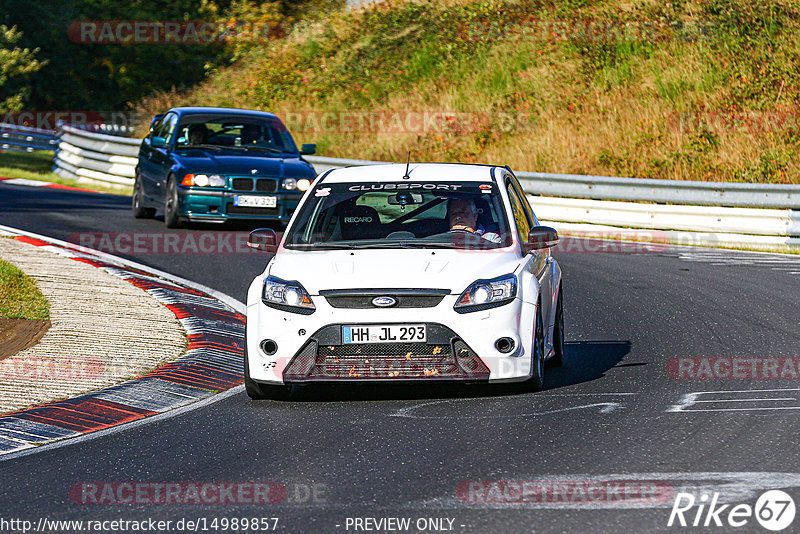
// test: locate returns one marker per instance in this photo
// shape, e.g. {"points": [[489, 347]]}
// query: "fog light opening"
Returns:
{"points": [[504, 345], [269, 347]]}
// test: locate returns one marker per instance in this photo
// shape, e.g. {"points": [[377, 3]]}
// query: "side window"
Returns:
{"points": [[520, 217], [525, 204]]}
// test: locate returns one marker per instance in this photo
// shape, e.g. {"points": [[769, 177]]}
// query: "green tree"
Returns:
{"points": [[15, 65]]}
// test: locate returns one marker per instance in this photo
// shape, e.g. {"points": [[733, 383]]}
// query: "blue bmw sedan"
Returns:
{"points": [[219, 164]]}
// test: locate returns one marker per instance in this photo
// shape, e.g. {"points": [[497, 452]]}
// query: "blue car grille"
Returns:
{"points": [[262, 185], [242, 184], [266, 185]]}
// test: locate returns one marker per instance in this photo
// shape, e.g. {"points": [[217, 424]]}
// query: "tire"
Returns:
{"points": [[536, 381], [258, 391], [557, 360], [171, 215], [137, 201]]}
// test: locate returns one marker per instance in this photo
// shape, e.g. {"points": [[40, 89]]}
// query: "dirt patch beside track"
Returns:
{"points": [[17, 335]]}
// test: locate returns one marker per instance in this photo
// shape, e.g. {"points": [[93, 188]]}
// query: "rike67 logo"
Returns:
{"points": [[774, 510]]}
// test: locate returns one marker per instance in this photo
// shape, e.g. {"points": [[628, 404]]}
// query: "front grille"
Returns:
{"points": [[242, 184], [248, 210], [322, 360], [353, 302], [406, 298], [266, 185]]}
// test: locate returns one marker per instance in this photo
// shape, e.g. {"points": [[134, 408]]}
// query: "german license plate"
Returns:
{"points": [[384, 333], [252, 201]]}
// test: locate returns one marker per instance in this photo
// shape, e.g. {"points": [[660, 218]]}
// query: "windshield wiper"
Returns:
{"points": [[320, 246], [427, 244], [263, 149], [216, 147]]}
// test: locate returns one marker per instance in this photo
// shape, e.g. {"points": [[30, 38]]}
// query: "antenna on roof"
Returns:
{"points": [[408, 163]]}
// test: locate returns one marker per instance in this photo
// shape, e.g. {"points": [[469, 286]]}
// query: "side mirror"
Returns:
{"points": [[155, 120], [307, 149], [158, 142], [263, 239], [541, 237]]}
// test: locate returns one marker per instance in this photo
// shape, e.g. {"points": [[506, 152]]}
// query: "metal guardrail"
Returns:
{"points": [[87, 156], [13, 137]]}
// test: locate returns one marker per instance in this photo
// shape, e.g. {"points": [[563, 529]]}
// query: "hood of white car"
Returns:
{"points": [[391, 269]]}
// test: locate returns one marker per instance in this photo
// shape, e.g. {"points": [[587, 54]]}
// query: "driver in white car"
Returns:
{"points": [[462, 215]]}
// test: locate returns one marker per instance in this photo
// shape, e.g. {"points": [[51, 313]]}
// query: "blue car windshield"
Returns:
{"points": [[401, 214], [249, 133]]}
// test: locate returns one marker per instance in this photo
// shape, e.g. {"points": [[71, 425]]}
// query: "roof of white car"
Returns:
{"points": [[418, 172]]}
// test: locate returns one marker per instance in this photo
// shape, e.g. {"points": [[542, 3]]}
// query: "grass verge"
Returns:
{"points": [[19, 296]]}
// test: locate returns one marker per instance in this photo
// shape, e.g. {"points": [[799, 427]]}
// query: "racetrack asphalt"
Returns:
{"points": [[612, 412]]}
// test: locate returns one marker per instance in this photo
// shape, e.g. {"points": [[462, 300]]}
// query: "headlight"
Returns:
{"points": [[203, 180], [289, 183], [303, 184], [483, 294], [287, 296]]}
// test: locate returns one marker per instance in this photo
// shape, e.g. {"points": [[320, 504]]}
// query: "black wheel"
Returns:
{"points": [[557, 360], [258, 391], [536, 381], [137, 201], [171, 216]]}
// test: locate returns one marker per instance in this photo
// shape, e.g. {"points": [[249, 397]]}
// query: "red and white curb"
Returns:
{"points": [[211, 364], [37, 183]]}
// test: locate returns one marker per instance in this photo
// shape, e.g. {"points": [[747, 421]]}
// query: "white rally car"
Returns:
{"points": [[416, 272]]}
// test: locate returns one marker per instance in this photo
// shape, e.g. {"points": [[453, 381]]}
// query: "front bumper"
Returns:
{"points": [[459, 347], [197, 204], [444, 356]]}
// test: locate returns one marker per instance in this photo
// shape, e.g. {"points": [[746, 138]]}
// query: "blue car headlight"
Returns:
{"points": [[484, 294], [286, 296], [203, 180], [293, 183]]}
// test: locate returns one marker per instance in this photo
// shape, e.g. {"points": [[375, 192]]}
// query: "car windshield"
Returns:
{"points": [[401, 215], [237, 133]]}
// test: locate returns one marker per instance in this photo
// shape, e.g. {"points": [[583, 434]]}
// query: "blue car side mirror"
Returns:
{"points": [[158, 142], [307, 149]]}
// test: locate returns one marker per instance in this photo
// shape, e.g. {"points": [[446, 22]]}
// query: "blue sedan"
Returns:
{"points": [[219, 164]]}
